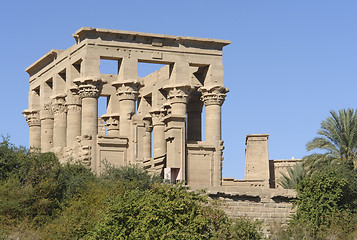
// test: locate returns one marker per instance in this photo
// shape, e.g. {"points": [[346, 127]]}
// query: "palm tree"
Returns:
{"points": [[294, 176], [338, 138]]}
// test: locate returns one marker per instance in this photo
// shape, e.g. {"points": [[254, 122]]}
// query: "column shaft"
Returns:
{"points": [[73, 124], [147, 145], [213, 124], [59, 121], [46, 128], [74, 114], [46, 134], [127, 109], [35, 136], [89, 116], [159, 140]]}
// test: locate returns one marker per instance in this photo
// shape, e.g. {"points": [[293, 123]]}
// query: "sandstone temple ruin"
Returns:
{"points": [[63, 101], [154, 121]]}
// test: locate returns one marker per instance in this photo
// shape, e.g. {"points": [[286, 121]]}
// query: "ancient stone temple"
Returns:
{"points": [[154, 121]]}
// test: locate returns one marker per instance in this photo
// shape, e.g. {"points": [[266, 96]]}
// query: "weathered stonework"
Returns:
{"points": [[154, 122]]}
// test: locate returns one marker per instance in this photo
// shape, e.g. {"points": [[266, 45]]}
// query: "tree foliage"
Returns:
{"points": [[337, 138], [295, 175]]}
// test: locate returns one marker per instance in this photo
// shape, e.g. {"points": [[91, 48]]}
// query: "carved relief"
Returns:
{"points": [[85, 150]]}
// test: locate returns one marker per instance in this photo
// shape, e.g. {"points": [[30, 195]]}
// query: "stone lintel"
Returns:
{"points": [[156, 39]]}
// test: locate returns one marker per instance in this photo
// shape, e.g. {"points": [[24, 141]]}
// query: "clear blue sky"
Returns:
{"points": [[289, 63]]}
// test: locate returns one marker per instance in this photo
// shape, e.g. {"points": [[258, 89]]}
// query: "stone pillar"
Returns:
{"points": [[59, 121], [33, 120], [127, 93], [74, 113], [257, 157], [89, 90], [159, 144], [213, 99], [176, 132], [46, 116], [147, 139]]}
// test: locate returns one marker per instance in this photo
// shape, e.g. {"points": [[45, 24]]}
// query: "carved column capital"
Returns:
{"points": [[59, 104], [157, 116], [32, 117], [214, 95], [89, 87], [73, 97], [46, 112], [128, 90], [178, 94], [111, 122]]}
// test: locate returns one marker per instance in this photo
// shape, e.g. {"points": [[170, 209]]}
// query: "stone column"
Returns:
{"points": [[159, 144], [74, 113], [89, 90], [33, 120], [213, 99], [59, 121], [176, 132], [127, 92], [147, 139], [46, 116]]}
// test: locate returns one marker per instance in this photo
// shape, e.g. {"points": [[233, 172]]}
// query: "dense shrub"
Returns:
{"points": [[42, 199], [326, 205]]}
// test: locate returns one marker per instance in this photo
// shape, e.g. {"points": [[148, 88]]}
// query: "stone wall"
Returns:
{"points": [[267, 205]]}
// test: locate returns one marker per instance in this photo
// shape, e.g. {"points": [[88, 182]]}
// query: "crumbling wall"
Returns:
{"points": [[267, 205]]}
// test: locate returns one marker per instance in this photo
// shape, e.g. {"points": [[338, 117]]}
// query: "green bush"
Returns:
{"points": [[42, 199], [326, 205], [129, 175]]}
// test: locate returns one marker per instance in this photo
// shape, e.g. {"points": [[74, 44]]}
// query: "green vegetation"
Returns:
{"points": [[326, 183], [42, 199], [295, 175], [337, 138]]}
